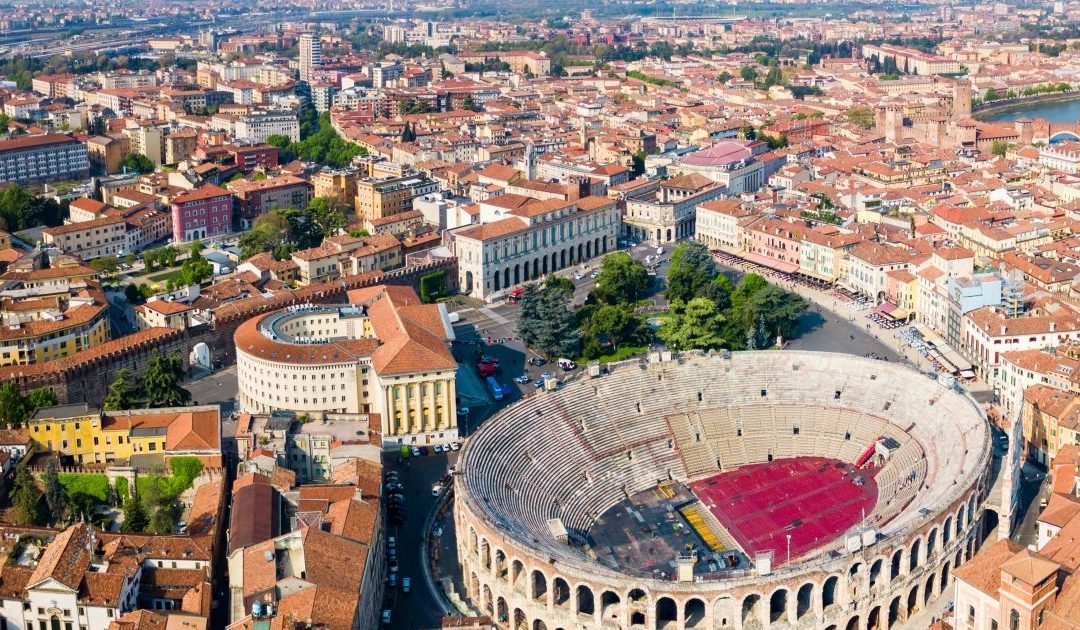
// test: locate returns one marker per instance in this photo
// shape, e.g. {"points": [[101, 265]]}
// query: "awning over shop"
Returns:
{"points": [[765, 261]]}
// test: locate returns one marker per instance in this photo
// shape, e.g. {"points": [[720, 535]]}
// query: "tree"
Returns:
{"points": [[694, 325], [407, 133], [107, 265], [13, 409], [271, 233], [991, 95], [609, 326], [774, 77], [195, 270], [472, 105], [692, 269], [724, 77], [160, 386], [137, 162], [132, 294], [622, 279], [135, 519], [560, 283], [20, 210], [861, 117], [25, 497], [328, 214], [284, 147], [55, 497], [40, 397], [748, 73], [638, 162], [999, 147], [120, 395], [546, 323]]}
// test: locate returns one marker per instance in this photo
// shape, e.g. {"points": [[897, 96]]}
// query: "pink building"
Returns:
{"points": [[205, 211], [775, 244]]}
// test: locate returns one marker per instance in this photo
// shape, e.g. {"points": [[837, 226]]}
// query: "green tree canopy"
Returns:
{"points": [[861, 117], [546, 323], [622, 279], [20, 210], [25, 497], [692, 269], [694, 325], [55, 497], [137, 162], [120, 395], [161, 383]]}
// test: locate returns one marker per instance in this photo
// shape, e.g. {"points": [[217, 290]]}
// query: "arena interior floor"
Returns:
{"points": [[814, 499]]}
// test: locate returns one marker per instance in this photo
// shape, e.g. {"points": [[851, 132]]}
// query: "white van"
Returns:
{"points": [[567, 364]]}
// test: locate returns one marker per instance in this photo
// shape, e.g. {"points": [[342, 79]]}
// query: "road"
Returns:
{"points": [[218, 388]]}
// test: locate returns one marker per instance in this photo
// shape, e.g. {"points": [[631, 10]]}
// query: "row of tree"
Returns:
{"points": [[16, 409], [319, 143], [707, 309]]}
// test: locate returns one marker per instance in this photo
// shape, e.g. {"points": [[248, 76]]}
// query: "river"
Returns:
{"points": [[1063, 112]]}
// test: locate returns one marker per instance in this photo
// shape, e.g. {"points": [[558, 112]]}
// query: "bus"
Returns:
{"points": [[496, 389]]}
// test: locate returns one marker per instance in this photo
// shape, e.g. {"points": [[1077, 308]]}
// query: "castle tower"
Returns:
{"points": [[961, 105], [894, 124]]}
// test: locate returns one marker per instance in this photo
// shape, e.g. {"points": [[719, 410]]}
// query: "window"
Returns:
{"points": [[971, 614], [1014, 619]]}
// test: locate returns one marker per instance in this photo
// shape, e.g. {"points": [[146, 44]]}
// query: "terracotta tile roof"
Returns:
{"points": [[413, 335], [202, 193], [495, 229], [255, 514], [66, 559], [332, 560], [324, 605], [1029, 567], [983, 571], [364, 474], [354, 520], [101, 589]]}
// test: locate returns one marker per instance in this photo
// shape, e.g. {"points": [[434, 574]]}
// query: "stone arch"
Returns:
{"points": [[895, 612], [751, 611], [554, 261], [723, 612], [828, 592], [502, 612], [667, 611], [486, 600], [896, 564], [474, 585], [588, 249], [875, 571], [545, 264], [521, 622], [960, 520], [946, 532], [536, 267], [873, 620], [928, 589], [584, 603], [694, 613], [538, 585], [517, 273], [473, 544], [485, 554], [562, 259], [1063, 136], [610, 605], [539, 625], [495, 281], [913, 600], [944, 577], [931, 544], [560, 592], [506, 277], [468, 282], [778, 605], [804, 600], [853, 624], [913, 556], [580, 252], [500, 564], [517, 569]]}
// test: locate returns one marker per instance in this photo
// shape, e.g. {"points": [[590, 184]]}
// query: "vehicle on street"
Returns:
{"points": [[537, 361], [538, 383], [406, 585], [394, 487], [394, 566], [524, 378], [659, 251], [594, 275], [416, 452], [462, 411], [386, 616], [392, 580], [547, 375], [567, 364], [391, 542], [515, 295], [455, 446], [496, 389], [436, 489], [396, 498]]}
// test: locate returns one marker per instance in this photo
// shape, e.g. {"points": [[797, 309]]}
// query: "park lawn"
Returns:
{"points": [[621, 354], [185, 470], [164, 277], [95, 486]]}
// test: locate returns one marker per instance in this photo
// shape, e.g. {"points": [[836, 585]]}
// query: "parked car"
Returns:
{"points": [[537, 361], [538, 383], [394, 487], [455, 446], [436, 489], [524, 378], [547, 375], [386, 616], [567, 364], [396, 498], [391, 542], [406, 585], [393, 566], [392, 580], [416, 452], [462, 411]]}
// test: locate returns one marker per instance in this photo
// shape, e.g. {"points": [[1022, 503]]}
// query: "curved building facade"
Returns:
{"points": [[543, 482]]}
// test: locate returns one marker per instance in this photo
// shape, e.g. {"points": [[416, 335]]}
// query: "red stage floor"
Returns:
{"points": [[810, 498]]}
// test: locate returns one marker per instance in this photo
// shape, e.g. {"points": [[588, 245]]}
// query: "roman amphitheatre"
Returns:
{"points": [[725, 490]]}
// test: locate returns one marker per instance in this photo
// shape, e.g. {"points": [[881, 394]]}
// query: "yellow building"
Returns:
{"points": [[49, 312], [383, 353], [92, 437], [1051, 420]]}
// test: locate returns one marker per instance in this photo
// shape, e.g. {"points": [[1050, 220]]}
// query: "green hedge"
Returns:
{"points": [[94, 486], [432, 286], [122, 489], [185, 470]]}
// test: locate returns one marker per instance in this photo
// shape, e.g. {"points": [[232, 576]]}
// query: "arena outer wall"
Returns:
{"points": [[878, 587]]}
